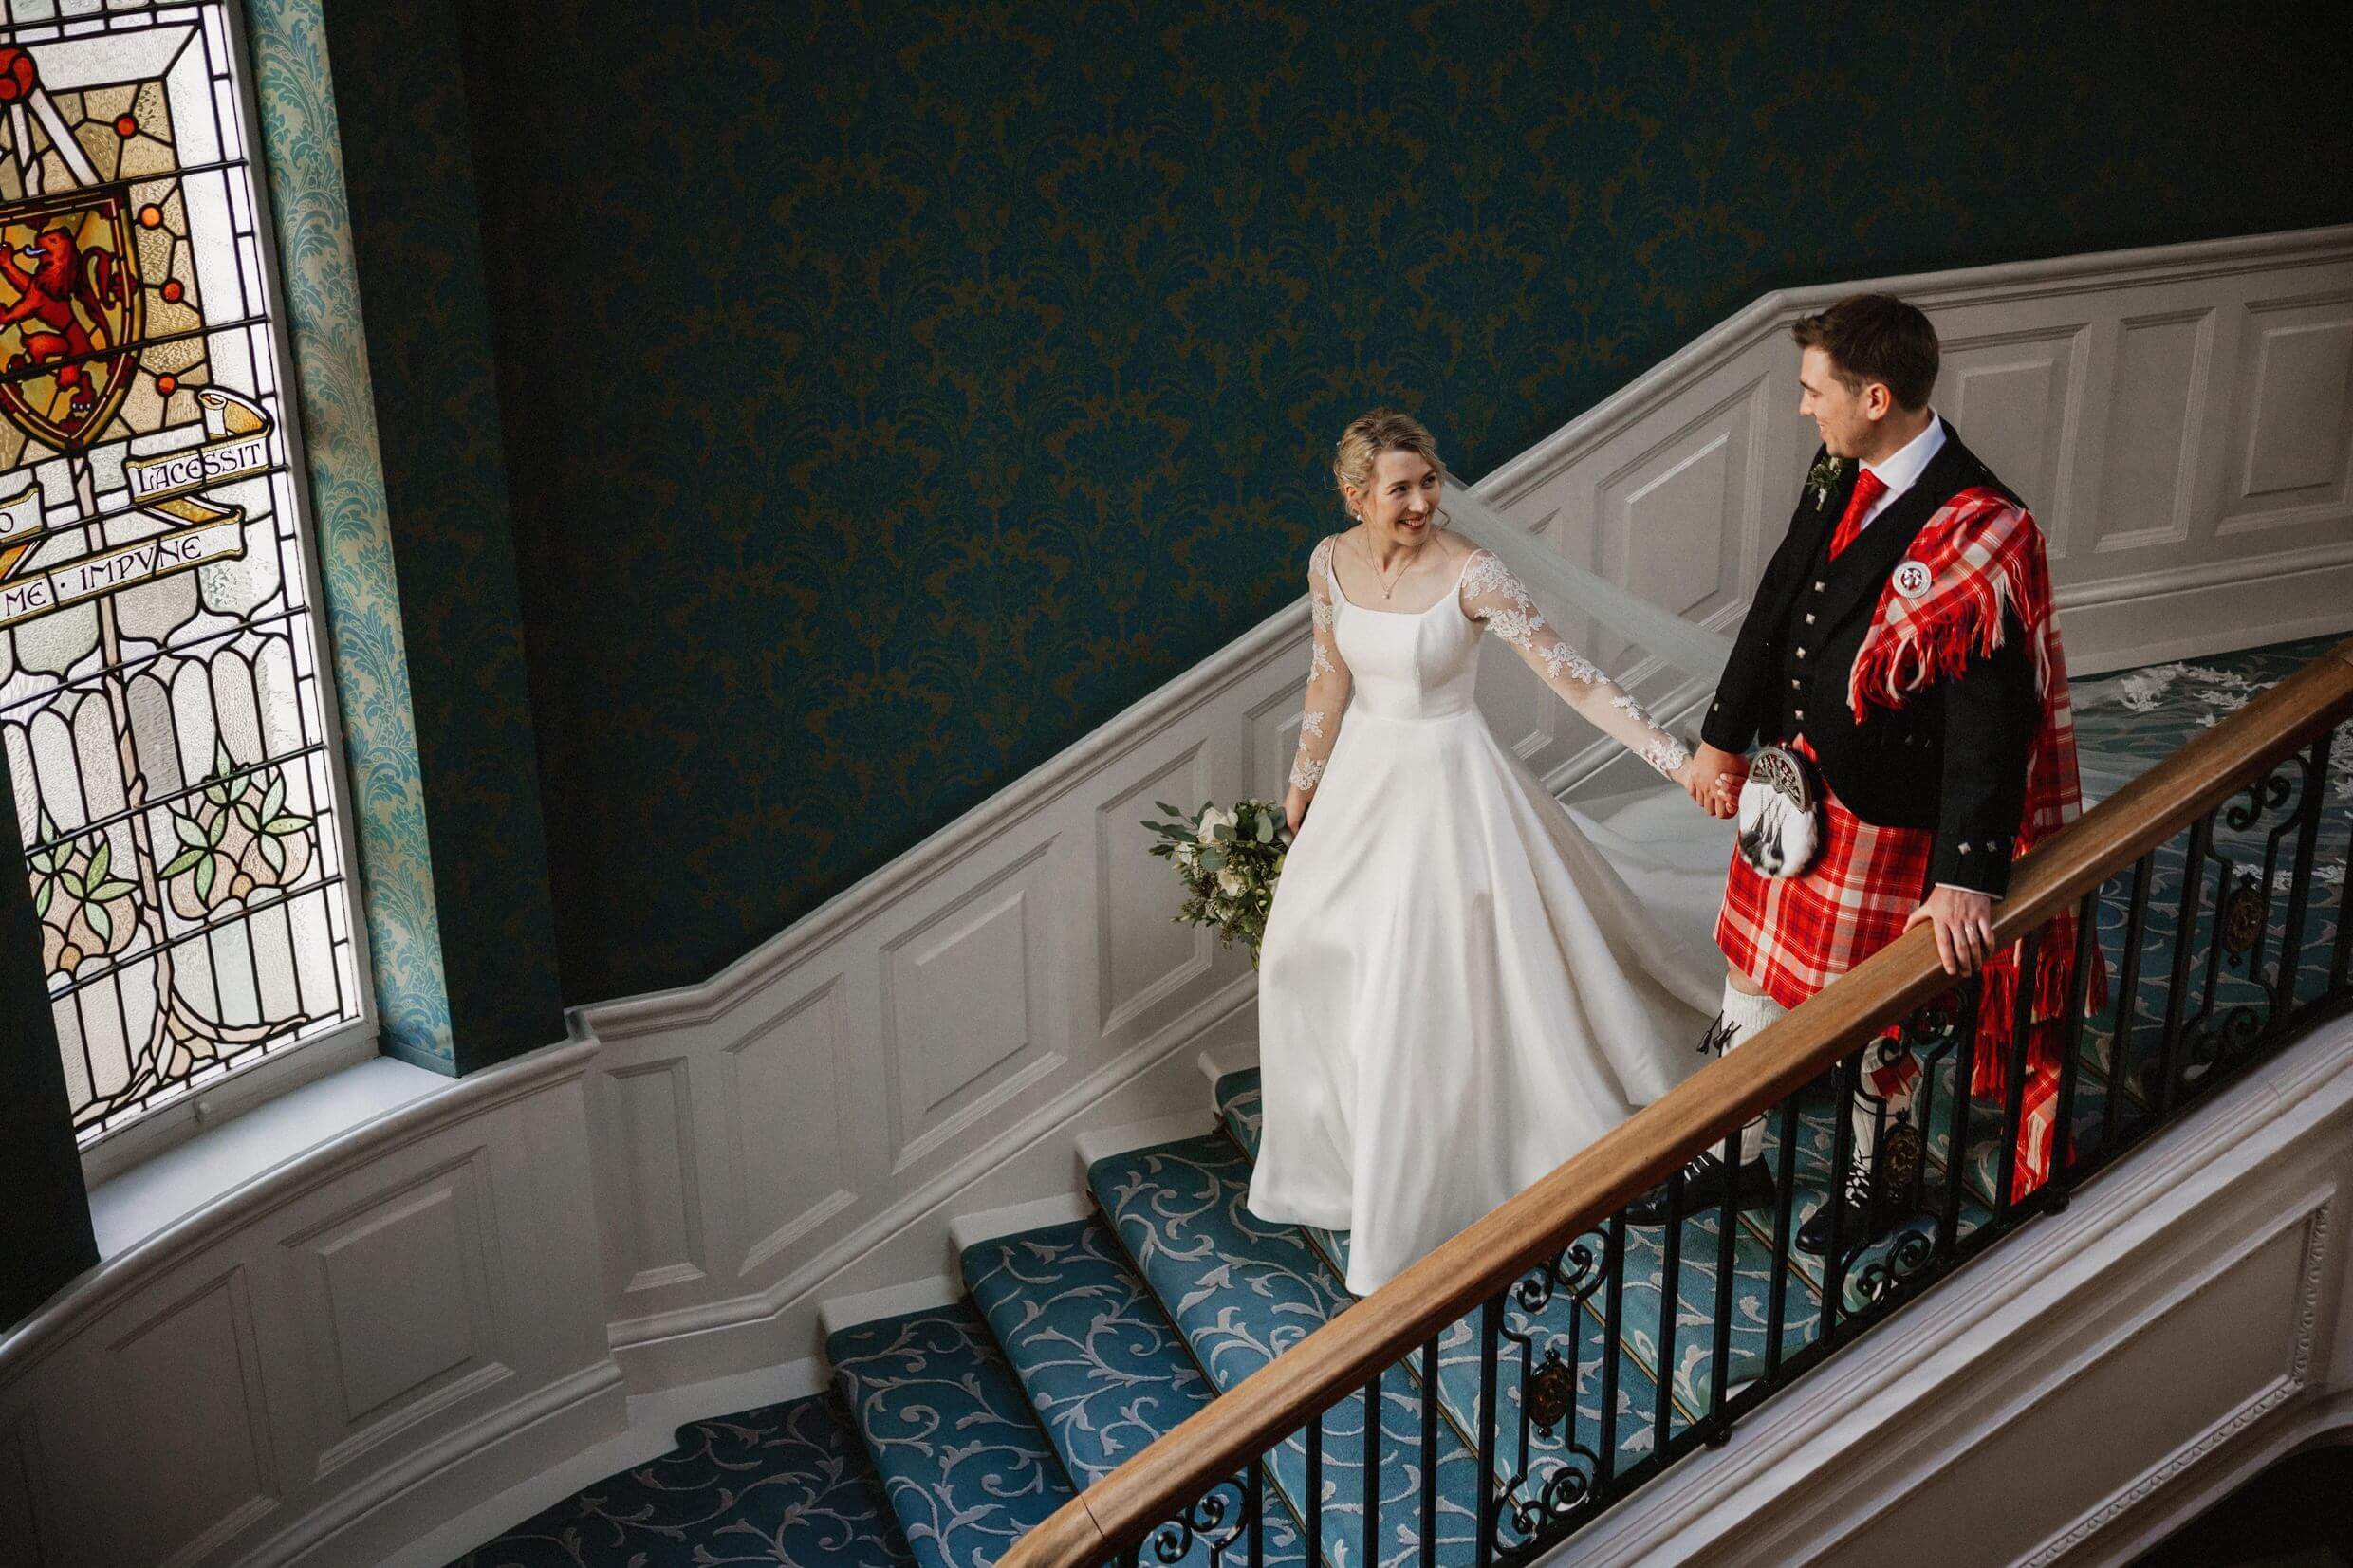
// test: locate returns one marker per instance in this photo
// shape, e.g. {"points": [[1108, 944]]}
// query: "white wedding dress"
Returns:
{"points": [[1456, 990]]}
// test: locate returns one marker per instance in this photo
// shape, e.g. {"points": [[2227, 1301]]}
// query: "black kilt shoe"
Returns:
{"points": [[1707, 1182], [1874, 1207]]}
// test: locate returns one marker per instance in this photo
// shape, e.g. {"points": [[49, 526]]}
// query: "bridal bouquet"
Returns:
{"points": [[1228, 860]]}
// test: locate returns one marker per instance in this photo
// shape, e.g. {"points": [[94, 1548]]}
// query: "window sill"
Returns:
{"points": [[220, 1097], [175, 1182]]}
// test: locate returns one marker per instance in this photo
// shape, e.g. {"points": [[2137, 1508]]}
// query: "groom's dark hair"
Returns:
{"points": [[1875, 338]]}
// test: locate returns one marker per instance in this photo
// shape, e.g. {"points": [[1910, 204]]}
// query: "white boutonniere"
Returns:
{"points": [[1823, 477]]}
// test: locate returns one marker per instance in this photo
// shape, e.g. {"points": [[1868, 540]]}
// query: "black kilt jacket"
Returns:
{"points": [[1954, 758]]}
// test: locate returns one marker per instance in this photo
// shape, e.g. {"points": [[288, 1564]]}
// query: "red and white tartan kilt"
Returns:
{"points": [[1795, 934], [1792, 935]]}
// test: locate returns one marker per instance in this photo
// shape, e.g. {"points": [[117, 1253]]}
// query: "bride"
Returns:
{"points": [[1457, 991]]}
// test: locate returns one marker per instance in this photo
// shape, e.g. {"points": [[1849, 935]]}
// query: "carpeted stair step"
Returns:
{"points": [[1563, 1322], [965, 1466], [1102, 1366], [1241, 1111], [1242, 1291]]}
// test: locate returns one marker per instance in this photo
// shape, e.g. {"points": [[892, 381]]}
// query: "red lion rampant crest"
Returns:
{"points": [[69, 265]]}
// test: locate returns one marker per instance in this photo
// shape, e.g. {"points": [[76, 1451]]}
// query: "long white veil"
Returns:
{"points": [[1568, 592], [1668, 852]]}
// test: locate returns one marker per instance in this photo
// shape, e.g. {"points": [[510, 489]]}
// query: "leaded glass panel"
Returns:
{"points": [[163, 701]]}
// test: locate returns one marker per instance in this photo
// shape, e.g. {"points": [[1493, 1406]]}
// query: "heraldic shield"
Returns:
{"points": [[69, 315]]}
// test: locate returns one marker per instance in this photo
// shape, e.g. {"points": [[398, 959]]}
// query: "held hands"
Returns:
{"points": [[1712, 778], [1964, 923]]}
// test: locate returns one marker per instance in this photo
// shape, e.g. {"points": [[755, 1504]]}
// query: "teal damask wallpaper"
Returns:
{"points": [[889, 394]]}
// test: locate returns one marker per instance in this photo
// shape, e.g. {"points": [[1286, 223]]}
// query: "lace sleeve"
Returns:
{"points": [[1327, 678], [1492, 597]]}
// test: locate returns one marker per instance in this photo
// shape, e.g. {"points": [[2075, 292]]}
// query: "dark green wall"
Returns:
{"points": [[45, 1227], [401, 100], [892, 395]]}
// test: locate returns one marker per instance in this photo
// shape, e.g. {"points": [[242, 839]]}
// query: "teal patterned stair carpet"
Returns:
{"points": [[951, 1430]]}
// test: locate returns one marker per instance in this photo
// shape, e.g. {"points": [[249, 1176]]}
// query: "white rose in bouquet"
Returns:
{"points": [[1228, 860]]}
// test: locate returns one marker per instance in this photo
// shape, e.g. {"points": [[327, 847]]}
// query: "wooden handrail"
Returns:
{"points": [[1396, 1320]]}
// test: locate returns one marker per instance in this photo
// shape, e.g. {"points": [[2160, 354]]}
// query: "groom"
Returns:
{"points": [[1901, 638]]}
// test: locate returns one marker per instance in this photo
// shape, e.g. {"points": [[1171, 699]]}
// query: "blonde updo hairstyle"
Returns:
{"points": [[1370, 435]]}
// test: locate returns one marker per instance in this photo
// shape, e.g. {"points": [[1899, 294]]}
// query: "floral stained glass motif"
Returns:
{"points": [[163, 696]]}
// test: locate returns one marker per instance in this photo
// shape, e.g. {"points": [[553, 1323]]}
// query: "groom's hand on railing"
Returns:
{"points": [[1964, 927], [1712, 778]]}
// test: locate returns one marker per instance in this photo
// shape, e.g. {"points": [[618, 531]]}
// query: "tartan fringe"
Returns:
{"points": [[1935, 643], [2047, 1021], [1891, 667]]}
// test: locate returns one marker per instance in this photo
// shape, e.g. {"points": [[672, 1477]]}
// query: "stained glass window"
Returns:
{"points": [[163, 699]]}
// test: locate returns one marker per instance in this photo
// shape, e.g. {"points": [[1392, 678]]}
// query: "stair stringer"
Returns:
{"points": [[2077, 1391]]}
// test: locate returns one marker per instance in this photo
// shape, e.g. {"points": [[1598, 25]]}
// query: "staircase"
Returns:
{"points": [[1081, 1341]]}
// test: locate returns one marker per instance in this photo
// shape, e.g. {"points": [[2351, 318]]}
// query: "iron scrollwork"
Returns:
{"points": [[1549, 1386], [1910, 1252], [1204, 1521], [2268, 793]]}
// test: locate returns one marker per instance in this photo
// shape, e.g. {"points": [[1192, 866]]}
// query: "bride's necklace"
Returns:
{"points": [[1388, 584]]}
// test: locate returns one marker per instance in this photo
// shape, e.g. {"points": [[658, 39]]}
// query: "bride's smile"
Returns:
{"points": [[1398, 506]]}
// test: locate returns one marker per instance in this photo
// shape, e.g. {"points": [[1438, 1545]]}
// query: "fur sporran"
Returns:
{"points": [[1780, 815]]}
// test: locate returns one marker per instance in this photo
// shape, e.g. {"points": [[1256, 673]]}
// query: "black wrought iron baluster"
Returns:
{"points": [[2340, 966], [1669, 1295], [1720, 1363], [2300, 880], [1430, 1453], [2071, 1050], [1529, 1294], [2204, 1029], [1490, 1336], [1848, 1076], [1372, 1468], [1613, 1343], [2014, 1086], [1964, 1081], [1785, 1206], [2185, 938], [1254, 1499], [2269, 881], [1315, 1487], [2127, 1004]]}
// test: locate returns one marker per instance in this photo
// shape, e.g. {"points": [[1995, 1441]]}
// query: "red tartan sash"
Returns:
{"points": [[1985, 557]]}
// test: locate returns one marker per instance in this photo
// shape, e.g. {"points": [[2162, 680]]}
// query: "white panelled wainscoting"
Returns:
{"points": [[449, 1304]]}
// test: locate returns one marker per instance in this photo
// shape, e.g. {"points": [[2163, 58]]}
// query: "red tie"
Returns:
{"points": [[1869, 487]]}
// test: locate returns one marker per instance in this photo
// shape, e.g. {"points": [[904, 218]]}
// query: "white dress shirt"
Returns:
{"points": [[1902, 469]]}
